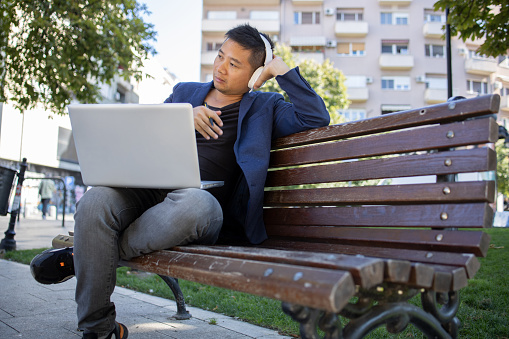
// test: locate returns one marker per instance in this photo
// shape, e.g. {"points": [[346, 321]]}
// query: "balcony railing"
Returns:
{"points": [[222, 26], [480, 66], [433, 30], [240, 2], [352, 28], [208, 57], [504, 103], [395, 2], [396, 62], [435, 95], [307, 2], [358, 94], [316, 56]]}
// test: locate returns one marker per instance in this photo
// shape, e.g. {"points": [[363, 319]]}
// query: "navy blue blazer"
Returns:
{"points": [[263, 116]]}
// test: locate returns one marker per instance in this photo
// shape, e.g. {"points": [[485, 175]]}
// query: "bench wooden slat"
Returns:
{"points": [[367, 272], [421, 275], [459, 215], [420, 239], [331, 288], [468, 261], [397, 271], [441, 113], [463, 161], [463, 192], [428, 138], [459, 277]]}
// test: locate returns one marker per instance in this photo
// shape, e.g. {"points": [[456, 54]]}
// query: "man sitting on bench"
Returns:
{"points": [[234, 131]]}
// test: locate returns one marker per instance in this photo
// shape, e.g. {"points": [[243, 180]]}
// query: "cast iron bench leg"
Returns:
{"points": [[182, 313]]}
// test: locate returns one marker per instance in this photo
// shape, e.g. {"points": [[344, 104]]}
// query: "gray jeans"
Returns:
{"points": [[113, 223]]}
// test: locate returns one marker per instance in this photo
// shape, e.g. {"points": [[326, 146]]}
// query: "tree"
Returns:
{"points": [[502, 167], [54, 51], [327, 81], [478, 19]]}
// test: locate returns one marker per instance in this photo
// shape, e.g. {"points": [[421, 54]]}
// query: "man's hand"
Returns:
{"points": [[274, 68], [207, 122]]}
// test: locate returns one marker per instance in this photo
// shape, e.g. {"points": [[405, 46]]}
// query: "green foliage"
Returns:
{"points": [[54, 51], [327, 81], [24, 256], [502, 167], [478, 19]]}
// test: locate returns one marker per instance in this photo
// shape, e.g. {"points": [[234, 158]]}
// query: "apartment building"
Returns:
{"points": [[391, 51]]}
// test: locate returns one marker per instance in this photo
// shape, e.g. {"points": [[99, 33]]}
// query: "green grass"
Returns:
{"points": [[483, 312]]}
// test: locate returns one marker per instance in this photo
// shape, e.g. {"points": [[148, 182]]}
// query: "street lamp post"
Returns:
{"points": [[449, 57], [8, 243]]}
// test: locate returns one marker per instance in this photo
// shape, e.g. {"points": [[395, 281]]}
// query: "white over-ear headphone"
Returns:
{"points": [[268, 58]]}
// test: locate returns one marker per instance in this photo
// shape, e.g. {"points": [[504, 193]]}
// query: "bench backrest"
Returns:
{"points": [[327, 188]]}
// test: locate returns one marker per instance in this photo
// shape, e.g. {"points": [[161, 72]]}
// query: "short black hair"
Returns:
{"points": [[249, 38]]}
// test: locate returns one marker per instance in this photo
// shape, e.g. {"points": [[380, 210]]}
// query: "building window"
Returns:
{"points": [[353, 114], [351, 48], [432, 16], [307, 49], [436, 81], [221, 15], [349, 14], [214, 46], [306, 18], [395, 47], [479, 87], [264, 15], [396, 83], [436, 51], [389, 18]]}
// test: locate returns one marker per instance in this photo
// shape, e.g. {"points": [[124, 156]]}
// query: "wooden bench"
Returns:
{"points": [[335, 232]]}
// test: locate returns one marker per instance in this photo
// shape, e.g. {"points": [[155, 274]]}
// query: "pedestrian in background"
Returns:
{"points": [[46, 190]]}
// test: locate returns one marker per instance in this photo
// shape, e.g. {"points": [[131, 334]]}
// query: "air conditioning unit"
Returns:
{"points": [[420, 78], [329, 11], [369, 80], [331, 43], [463, 51], [498, 85]]}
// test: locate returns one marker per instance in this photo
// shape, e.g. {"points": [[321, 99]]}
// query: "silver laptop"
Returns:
{"points": [[135, 145]]}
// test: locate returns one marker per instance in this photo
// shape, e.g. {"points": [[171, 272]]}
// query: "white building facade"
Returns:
{"points": [[391, 51]]}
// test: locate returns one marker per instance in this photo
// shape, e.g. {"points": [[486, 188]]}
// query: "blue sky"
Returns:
{"points": [[178, 26]]}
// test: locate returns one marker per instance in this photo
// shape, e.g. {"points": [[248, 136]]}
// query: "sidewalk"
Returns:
{"points": [[33, 311]]}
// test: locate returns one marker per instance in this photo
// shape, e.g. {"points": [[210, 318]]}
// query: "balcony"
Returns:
{"points": [[208, 57], [222, 26], [435, 95], [394, 2], [433, 30], [504, 103], [358, 94], [318, 57], [307, 2], [351, 28], [240, 2], [480, 66], [396, 62]]}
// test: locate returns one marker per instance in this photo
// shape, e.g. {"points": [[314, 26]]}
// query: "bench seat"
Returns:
{"points": [[380, 209]]}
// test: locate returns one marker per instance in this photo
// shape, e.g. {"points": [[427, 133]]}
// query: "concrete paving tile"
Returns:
{"points": [[7, 331], [153, 299], [4, 314], [244, 328]]}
